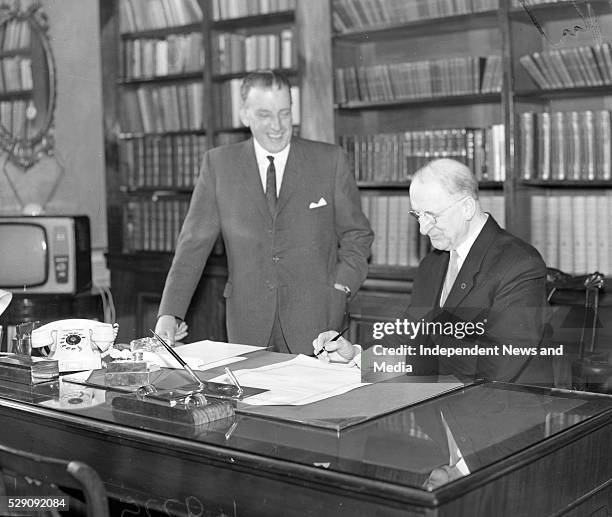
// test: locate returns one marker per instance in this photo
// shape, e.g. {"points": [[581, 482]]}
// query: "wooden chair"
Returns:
{"points": [[591, 370], [27, 474]]}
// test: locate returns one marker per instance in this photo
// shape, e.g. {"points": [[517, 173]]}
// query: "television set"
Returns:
{"points": [[45, 254]]}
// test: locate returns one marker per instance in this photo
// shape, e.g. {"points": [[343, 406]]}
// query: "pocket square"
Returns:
{"points": [[318, 204]]}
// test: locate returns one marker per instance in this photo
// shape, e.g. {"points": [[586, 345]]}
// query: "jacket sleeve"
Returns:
{"points": [[196, 239], [352, 227], [512, 324], [516, 319]]}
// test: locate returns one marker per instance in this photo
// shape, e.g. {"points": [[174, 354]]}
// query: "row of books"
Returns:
{"points": [[239, 52], [397, 240], [140, 15], [228, 101], [161, 161], [394, 157], [351, 14], [13, 119], [418, 79], [520, 3], [15, 74], [153, 224], [570, 67], [159, 109], [15, 34], [227, 9], [573, 233], [174, 54], [566, 145]]}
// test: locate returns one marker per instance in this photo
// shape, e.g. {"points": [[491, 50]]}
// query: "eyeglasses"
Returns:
{"points": [[424, 216]]}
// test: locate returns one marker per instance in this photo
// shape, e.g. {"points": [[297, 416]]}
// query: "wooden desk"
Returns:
{"points": [[532, 452]]}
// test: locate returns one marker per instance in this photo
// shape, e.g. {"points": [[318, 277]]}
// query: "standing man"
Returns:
{"points": [[289, 211], [480, 288]]}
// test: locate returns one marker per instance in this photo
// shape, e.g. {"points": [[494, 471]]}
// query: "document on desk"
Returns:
{"points": [[296, 382], [202, 355]]}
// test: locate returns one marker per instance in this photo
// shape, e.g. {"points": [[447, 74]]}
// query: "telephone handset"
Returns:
{"points": [[75, 343]]}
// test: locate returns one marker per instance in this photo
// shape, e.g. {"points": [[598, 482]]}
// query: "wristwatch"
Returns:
{"points": [[345, 288]]}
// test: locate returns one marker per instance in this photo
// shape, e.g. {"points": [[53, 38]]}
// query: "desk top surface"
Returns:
{"points": [[490, 423]]}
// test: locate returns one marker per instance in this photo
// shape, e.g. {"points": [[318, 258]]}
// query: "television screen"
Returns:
{"points": [[23, 255]]}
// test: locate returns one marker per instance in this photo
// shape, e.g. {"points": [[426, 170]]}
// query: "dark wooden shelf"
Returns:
{"points": [[383, 272], [183, 76], [163, 31], [482, 185], [557, 93], [241, 129], [156, 191], [459, 22], [556, 10], [481, 98], [15, 95], [24, 51], [128, 136], [258, 20], [384, 184], [567, 183], [218, 78], [490, 185]]}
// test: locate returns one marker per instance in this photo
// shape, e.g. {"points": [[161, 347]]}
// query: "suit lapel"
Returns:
{"points": [[465, 279], [291, 176], [438, 271], [251, 180]]}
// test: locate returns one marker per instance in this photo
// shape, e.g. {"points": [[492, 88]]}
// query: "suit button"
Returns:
{"points": [[275, 258]]}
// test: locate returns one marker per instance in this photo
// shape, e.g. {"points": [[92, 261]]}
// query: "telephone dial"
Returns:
{"points": [[75, 343]]}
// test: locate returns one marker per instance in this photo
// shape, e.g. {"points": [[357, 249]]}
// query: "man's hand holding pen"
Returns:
{"points": [[330, 347]]}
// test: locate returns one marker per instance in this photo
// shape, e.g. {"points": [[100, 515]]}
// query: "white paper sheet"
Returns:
{"points": [[299, 381], [202, 355]]}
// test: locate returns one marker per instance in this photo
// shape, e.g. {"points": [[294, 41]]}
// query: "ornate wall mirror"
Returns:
{"points": [[27, 84]]}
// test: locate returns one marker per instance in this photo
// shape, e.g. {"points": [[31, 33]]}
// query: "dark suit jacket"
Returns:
{"points": [[501, 284], [293, 258]]}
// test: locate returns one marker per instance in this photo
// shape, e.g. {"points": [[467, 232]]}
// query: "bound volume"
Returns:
{"points": [[27, 370]]}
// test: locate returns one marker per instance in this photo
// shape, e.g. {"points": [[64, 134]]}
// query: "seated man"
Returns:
{"points": [[478, 302]]}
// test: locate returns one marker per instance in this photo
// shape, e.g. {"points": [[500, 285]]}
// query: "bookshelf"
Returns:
{"points": [[395, 86], [561, 64], [171, 74], [402, 98], [395, 109]]}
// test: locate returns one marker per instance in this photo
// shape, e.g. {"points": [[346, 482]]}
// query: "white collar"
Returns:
{"points": [[464, 248]]}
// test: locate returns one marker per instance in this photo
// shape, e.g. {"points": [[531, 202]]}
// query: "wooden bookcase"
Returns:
{"points": [[382, 102], [167, 100], [410, 90], [377, 118]]}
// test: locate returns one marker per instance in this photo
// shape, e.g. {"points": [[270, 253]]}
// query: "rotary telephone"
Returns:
{"points": [[75, 343]]}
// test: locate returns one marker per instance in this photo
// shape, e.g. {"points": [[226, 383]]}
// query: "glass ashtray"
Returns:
{"points": [[144, 344]]}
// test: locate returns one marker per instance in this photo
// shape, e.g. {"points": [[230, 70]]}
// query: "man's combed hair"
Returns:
{"points": [[454, 176], [266, 79]]}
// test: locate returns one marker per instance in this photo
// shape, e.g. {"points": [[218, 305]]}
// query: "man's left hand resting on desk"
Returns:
{"points": [[171, 328], [338, 351]]}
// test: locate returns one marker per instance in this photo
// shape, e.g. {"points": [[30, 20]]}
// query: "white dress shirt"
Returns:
{"points": [[464, 248], [280, 160]]}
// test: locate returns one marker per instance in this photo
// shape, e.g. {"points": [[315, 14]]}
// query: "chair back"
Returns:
{"points": [[28, 474], [591, 370]]}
